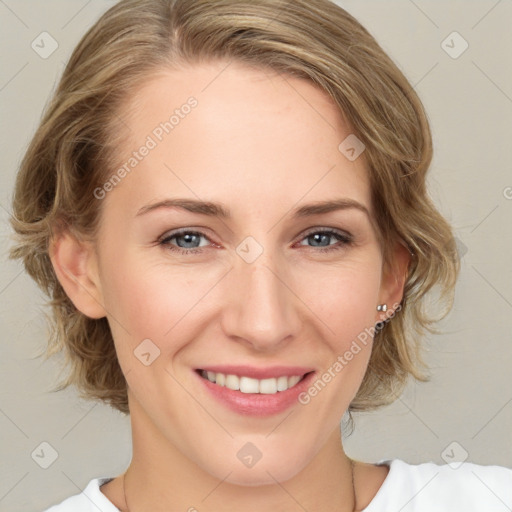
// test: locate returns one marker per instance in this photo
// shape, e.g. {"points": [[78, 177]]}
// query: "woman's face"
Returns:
{"points": [[269, 291]]}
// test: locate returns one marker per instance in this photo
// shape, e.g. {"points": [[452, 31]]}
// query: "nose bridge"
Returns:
{"points": [[264, 311]]}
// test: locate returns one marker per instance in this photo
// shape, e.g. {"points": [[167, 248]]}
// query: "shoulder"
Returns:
{"points": [[91, 499], [452, 487]]}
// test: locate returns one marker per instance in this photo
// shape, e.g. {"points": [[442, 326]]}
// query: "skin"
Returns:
{"points": [[262, 144]]}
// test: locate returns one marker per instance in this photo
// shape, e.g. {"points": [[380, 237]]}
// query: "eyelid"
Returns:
{"points": [[199, 231], [345, 239], [317, 229], [181, 231]]}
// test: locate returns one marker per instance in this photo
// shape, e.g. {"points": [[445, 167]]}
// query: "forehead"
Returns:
{"points": [[226, 130]]}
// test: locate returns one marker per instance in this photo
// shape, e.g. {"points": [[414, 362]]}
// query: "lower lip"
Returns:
{"points": [[257, 404]]}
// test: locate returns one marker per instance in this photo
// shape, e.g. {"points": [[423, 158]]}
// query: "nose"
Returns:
{"points": [[262, 310]]}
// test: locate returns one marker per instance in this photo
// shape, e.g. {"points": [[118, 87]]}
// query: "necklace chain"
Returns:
{"points": [[351, 471]]}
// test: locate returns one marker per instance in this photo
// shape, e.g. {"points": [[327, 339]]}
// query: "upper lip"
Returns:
{"points": [[253, 372]]}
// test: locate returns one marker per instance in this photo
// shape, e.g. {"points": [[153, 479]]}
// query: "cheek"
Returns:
{"points": [[148, 299], [344, 298], [148, 304]]}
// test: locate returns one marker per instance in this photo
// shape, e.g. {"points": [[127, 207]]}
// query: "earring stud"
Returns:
{"points": [[382, 307]]}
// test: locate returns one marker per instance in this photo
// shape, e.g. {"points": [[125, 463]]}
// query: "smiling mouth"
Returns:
{"points": [[249, 385]]}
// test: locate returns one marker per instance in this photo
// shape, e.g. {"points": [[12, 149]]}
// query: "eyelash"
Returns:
{"points": [[344, 238]]}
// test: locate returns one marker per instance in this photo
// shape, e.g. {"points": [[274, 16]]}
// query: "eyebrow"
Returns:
{"points": [[218, 210]]}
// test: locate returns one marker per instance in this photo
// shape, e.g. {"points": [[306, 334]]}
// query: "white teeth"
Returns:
{"points": [[293, 380], [221, 379], [232, 382], [282, 383], [249, 385], [268, 386]]}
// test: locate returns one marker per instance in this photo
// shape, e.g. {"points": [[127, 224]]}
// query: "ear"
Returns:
{"points": [[75, 264], [394, 275]]}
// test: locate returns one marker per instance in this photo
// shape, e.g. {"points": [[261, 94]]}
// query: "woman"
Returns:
{"points": [[226, 204]]}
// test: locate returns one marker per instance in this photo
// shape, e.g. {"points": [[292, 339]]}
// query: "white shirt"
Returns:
{"points": [[426, 487]]}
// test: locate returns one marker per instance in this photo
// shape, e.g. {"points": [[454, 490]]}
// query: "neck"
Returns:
{"points": [[161, 478]]}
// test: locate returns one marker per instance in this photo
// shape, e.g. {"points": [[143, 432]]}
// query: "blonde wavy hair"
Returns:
{"points": [[75, 147]]}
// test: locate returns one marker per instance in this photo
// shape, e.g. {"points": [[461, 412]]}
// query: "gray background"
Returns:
{"points": [[465, 411]]}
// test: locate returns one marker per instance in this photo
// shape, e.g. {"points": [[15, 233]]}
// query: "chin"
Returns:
{"points": [[266, 471], [265, 475]]}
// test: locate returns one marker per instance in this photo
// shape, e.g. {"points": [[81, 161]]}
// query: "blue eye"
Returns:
{"points": [[320, 236], [187, 241], [190, 238]]}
